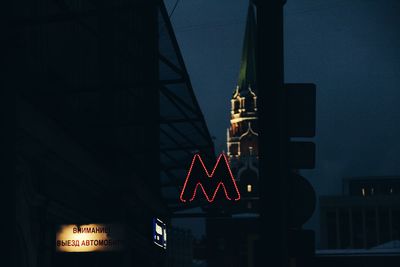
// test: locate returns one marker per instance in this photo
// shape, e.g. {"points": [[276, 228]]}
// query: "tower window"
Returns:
{"points": [[249, 188], [236, 106]]}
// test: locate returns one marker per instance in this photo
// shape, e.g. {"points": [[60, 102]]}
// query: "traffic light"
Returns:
{"points": [[301, 109]]}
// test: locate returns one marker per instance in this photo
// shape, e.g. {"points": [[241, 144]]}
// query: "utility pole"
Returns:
{"points": [[273, 245]]}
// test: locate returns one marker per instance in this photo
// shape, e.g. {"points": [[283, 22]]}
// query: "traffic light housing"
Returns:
{"points": [[301, 110]]}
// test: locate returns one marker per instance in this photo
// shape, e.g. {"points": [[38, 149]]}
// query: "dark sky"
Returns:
{"points": [[349, 49]]}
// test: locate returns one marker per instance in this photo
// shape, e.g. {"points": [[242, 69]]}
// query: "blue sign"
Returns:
{"points": [[159, 233]]}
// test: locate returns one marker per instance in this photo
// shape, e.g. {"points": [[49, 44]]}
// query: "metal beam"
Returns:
{"points": [[171, 65], [170, 94], [173, 81], [178, 145], [185, 136], [184, 71], [170, 157]]}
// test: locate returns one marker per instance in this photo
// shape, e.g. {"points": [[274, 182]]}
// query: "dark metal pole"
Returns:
{"points": [[273, 245]]}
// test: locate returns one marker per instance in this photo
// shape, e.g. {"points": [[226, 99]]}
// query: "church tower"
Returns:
{"points": [[242, 135]]}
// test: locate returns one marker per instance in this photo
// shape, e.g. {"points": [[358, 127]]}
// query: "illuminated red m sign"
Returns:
{"points": [[199, 177]]}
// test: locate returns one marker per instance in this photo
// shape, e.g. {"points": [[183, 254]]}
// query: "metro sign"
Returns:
{"points": [[209, 183]]}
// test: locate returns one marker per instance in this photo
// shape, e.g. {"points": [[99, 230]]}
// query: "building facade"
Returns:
{"points": [[367, 215], [89, 70], [89, 115]]}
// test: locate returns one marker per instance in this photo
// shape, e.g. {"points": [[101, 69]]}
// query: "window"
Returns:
{"points": [[249, 188]]}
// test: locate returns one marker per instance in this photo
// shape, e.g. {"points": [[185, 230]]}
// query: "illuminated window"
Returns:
{"points": [[363, 192], [372, 191], [391, 190], [249, 188]]}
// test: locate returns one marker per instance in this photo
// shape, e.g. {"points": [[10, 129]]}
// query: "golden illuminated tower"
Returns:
{"points": [[242, 135]]}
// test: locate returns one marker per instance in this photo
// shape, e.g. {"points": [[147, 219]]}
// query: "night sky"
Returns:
{"points": [[349, 49]]}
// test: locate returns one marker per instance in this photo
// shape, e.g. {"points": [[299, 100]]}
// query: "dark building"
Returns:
{"points": [[367, 215], [180, 247], [104, 107], [200, 251], [231, 241]]}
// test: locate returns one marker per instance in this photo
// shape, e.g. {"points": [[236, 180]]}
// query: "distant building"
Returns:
{"points": [[372, 186], [365, 216], [242, 135]]}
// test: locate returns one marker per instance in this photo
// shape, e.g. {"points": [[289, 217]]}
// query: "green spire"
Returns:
{"points": [[247, 74]]}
